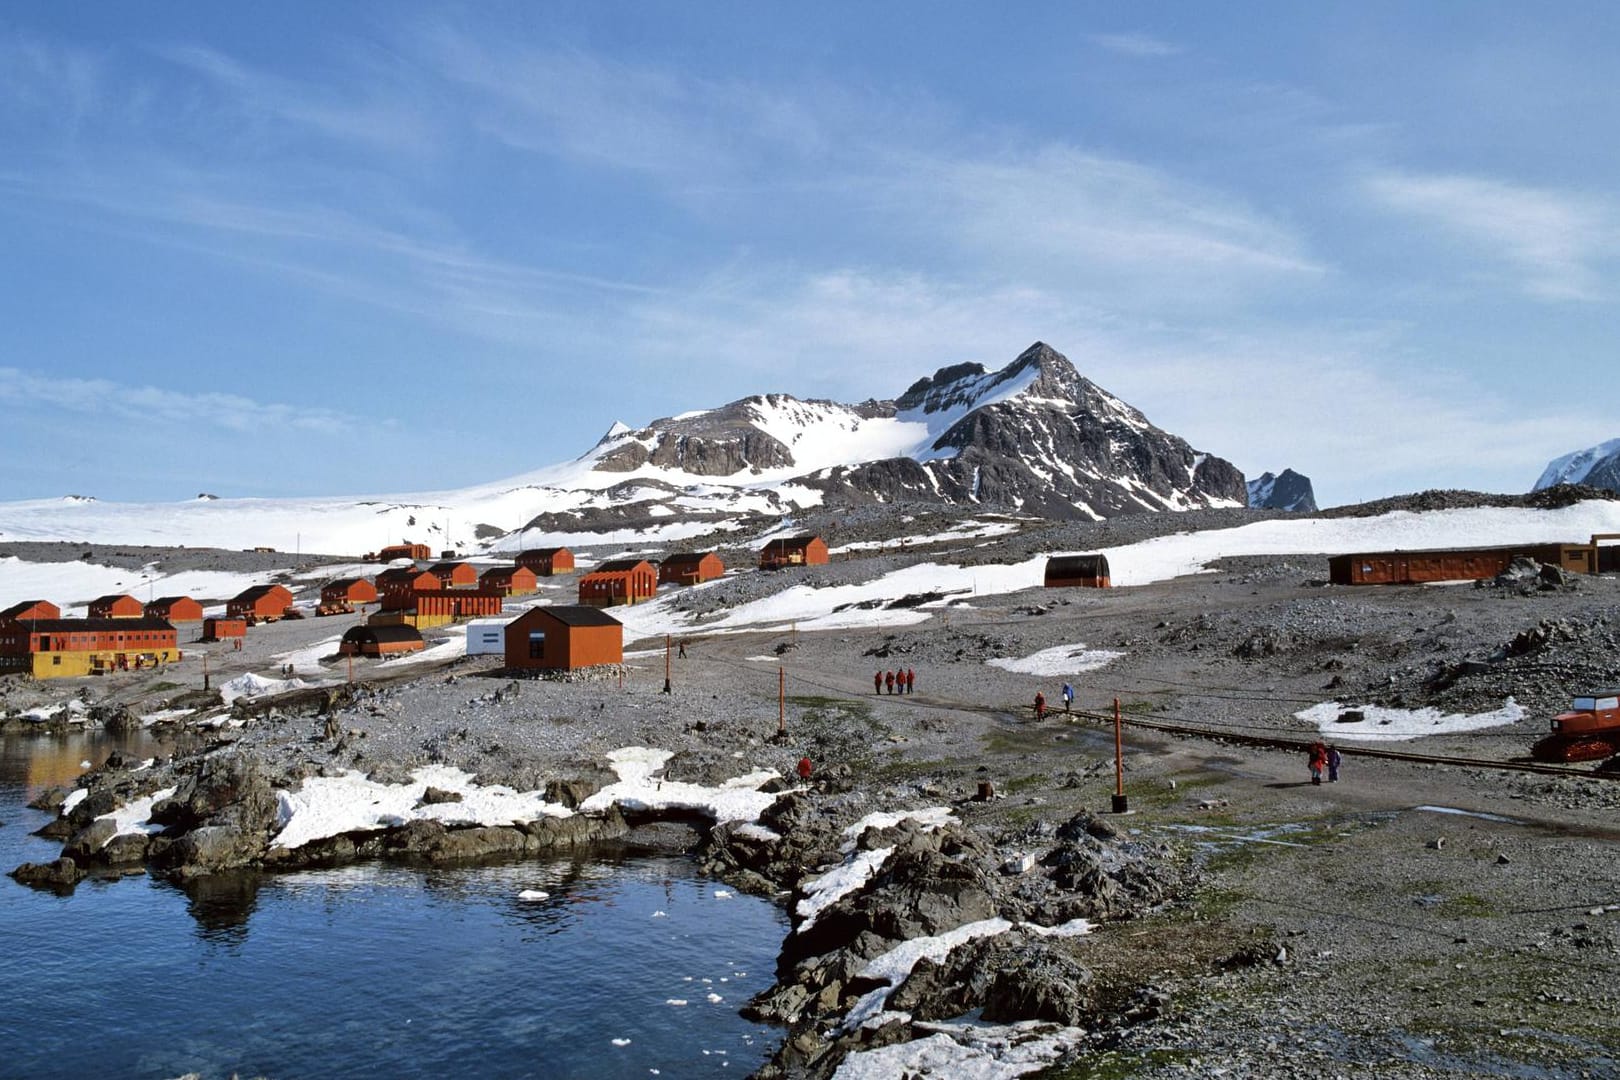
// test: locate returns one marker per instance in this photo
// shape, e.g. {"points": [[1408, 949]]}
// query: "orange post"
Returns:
{"points": [[1120, 804]]}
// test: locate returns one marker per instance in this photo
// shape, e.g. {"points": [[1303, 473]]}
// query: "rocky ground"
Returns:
{"points": [[1408, 921]]}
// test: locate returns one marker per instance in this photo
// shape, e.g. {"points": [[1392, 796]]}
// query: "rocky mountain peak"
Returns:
{"points": [[1287, 490]]}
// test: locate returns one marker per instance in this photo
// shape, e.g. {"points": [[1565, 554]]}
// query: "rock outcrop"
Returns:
{"points": [[1287, 490]]}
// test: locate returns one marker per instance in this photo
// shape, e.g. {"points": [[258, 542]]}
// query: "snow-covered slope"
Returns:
{"points": [[1034, 436], [1596, 466]]}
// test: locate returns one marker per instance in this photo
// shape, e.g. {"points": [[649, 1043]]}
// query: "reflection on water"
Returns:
{"points": [[372, 968]]}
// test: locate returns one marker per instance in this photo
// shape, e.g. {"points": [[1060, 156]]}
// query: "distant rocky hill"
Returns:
{"points": [[1287, 490], [1597, 466], [1035, 437]]}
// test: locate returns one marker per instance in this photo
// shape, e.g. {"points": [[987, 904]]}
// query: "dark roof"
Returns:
{"points": [[69, 626], [168, 601], [686, 558], [541, 553], [1082, 565], [400, 573], [382, 635], [785, 543], [16, 609], [494, 570], [577, 615], [345, 582], [448, 564], [256, 591], [617, 566], [1435, 553], [112, 597]]}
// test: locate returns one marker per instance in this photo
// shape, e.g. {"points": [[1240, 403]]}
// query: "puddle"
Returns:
{"points": [[1469, 813]]}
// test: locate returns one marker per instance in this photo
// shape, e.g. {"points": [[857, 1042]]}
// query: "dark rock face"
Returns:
{"points": [[1287, 490], [1034, 437]]}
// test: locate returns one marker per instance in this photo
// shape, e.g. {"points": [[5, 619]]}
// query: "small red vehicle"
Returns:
{"points": [[1589, 731]]}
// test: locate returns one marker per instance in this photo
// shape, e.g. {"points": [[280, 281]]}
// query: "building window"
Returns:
{"points": [[537, 644]]}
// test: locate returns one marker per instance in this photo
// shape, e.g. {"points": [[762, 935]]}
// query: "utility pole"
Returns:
{"points": [[781, 703], [1120, 804]]}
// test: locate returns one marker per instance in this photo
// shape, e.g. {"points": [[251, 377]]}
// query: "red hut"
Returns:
{"points": [[30, 609], [546, 562], [261, 603], [1083, 571], [618, 581], [380, 641], [397, 588], [690, 568], [176, 609], [510, 580], [563, 639], [116, 606], [407, 550], [793, 551], [217, 629], [455, 575]]}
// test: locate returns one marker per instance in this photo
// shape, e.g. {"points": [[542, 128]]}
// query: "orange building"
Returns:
{"points": [[511, 580], [116, 606], [349, 590], [380, 641], [455, 575], [563, 639], [261, 603], [546, 562], [175, 609], [690, 568], [793, 551], [224, 629], [56, 648], [619, 581], [30, 609], [448, 605], [397, 588], [407, 550]]}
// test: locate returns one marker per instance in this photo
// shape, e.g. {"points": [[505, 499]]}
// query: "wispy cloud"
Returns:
{"points": [[1134, 44], [155, 405], [1554, 241]]}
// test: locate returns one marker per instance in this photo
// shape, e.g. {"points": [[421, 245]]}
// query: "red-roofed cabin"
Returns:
{"points": [[261, 603], [619, 581], [546, 562], [397, 588], [176, 609], [407, 550], [793, 551], [116, 606], [455, 575], [690, 568], [31, 609], [511, 580], [339, 597], [217, 629], [380, 641], [563, 638]]}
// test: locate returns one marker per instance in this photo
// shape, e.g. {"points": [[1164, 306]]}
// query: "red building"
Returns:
{"points": [[261, 603], [793, 551], [175, 609], [380, 641], [546, 562], [224, 629], [116, 606], [618, 581], [434, 606], [55, 648], [690, 568], [30, 609], [1083, 571], [563, 639], [397, 589], [407, 550], [510, 580], [455, 575], [1455, 564]]}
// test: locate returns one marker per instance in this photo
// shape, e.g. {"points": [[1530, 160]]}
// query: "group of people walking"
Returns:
{"points": [[1324, 758], [898, 681], [1040, 701]]}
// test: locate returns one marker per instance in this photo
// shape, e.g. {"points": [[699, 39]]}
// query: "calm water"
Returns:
{"points": [[371, 970]]}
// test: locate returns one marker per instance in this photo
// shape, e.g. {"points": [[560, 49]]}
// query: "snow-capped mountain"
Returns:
{"points": [[1287, 490], [1596, 466], [1034, 437]]}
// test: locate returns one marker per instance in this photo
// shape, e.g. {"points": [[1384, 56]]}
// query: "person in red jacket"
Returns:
{"points": [[911, 680], [888, 680], [877, 683], [1040, 705]]}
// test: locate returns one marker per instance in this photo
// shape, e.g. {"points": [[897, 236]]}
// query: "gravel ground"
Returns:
{"points": [[1409, 921]]}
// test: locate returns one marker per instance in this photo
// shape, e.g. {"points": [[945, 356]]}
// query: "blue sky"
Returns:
{"points": [[312, 248]]}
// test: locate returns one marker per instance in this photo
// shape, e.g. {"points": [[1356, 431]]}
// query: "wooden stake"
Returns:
{"points": [[666, 663], [1120, 804], [781, 701]]}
